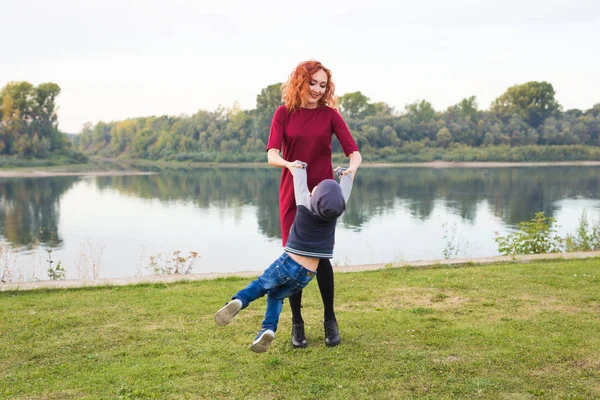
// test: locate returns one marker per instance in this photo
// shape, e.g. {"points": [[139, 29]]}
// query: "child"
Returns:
{"points": [[311, 238]]}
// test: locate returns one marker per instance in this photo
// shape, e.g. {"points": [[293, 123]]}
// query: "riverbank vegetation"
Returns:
{"points": [[514, 330], [526, 123], [539, 235]]}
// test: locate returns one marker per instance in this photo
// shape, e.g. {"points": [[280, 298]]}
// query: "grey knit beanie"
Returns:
{"points": [[327, 201]]}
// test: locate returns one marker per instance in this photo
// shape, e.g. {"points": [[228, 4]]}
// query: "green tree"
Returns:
{"points": [[381, 109], [468, 108], [532, 101], [17, 106], [594, 111], [420, 111], [29, 123], [389, 137], [355, 105], [443, 137], [520, 132], [267, 101]]}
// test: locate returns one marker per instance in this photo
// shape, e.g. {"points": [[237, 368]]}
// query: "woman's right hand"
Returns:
{"points": [[295, 164]]}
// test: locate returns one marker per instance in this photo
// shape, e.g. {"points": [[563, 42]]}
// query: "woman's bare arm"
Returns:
{"points": [[355, 161], [274, 159]]}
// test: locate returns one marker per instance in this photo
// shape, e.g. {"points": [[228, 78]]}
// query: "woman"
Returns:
{"points": [[302, 129]]}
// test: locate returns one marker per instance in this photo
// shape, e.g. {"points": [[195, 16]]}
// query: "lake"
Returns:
{"points": [[120, 226]]}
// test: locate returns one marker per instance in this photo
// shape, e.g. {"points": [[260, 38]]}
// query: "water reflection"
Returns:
{"points": [[393, 212], [225, 188], [29, 210], [514, 194]]}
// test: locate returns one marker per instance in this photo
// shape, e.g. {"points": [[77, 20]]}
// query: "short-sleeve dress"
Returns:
{"points": [[306, 134]]}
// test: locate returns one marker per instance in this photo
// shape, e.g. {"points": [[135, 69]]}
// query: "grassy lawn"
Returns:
{"points": [[509, 331]]}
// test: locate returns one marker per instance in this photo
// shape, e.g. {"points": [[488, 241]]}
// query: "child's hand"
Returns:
{"points": [[339, 171], [296, 164], [349, 170]]}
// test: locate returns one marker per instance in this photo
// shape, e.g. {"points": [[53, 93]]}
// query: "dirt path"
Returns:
{"points": [[252, 274]]}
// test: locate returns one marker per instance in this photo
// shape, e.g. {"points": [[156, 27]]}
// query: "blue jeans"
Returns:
{"points": [[282, 279]]}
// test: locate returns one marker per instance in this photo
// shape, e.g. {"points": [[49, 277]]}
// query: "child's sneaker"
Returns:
{"points": [[226, 314], [262, 341]]}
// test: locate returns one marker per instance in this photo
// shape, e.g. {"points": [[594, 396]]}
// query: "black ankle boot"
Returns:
{"points": [[298, 336], [332, 333]]}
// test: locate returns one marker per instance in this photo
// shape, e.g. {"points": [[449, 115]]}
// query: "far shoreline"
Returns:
{"points": [[45, 174], [132, 166], [486, 164]]}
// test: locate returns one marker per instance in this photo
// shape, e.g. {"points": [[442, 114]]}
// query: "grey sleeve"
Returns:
{"points": [[301, 187], [346, 182]]}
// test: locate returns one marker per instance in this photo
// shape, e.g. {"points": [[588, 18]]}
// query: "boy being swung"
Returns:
{"points": [[311, 238]]}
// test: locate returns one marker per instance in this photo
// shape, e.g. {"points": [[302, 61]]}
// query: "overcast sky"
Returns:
{"points": [[116, 59]]}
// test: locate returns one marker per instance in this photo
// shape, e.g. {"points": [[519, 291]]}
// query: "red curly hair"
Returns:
{"points": [[295, 90]]}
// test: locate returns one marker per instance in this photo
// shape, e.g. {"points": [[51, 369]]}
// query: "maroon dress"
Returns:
{"points": [[305, 135]]}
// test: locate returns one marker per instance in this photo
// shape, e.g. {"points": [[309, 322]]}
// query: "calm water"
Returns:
{"points": [[113, 226]]}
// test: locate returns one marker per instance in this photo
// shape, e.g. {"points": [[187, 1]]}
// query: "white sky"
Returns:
{"points": [[116, 59]]}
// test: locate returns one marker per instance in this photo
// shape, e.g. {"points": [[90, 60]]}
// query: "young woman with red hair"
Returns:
{"points": [[302, 129]]}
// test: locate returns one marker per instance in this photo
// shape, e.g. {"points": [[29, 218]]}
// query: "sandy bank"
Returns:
{"points": [[481, 164], [29, 173], [367, 164], [41, 174]]}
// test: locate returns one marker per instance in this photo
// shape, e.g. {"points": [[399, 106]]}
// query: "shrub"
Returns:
{"points": [[586, 238], [536, 236]]}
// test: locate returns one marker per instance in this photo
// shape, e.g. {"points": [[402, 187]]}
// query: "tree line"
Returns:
{"points": [[517, 123], [524, 116], [524, 123]]}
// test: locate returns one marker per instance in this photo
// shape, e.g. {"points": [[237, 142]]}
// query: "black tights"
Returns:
{"points": [[325, 281]]}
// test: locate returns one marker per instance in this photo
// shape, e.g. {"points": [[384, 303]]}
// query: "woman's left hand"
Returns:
{"points": [[355, 161], [349, 170]]}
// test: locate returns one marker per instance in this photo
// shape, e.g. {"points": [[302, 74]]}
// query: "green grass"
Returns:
{"points": [[507, 331]]}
